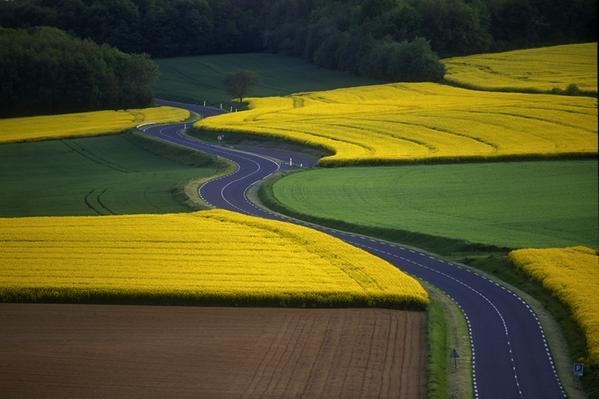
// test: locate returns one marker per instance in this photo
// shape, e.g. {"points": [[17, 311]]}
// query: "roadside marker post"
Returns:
{"points": [[454, 355], [204, 103]]}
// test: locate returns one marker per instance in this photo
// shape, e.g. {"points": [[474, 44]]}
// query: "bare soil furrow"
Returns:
{"points": [[91, 351]]}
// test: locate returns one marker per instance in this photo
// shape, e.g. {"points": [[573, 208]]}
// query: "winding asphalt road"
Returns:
{"points": [[510, 356]]}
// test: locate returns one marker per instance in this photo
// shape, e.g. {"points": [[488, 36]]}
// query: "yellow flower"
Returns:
{"points": [[85, 123], [209, 256], [421, 121], [572, 275], [542, 69]]}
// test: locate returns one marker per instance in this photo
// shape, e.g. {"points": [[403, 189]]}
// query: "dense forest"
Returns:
{"points": [[362, 36], [161, 28], [395, 40], [43, 70], [164, 28]]}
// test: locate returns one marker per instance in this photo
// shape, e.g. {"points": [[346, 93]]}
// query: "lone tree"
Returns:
{"points": [[238, 83]]}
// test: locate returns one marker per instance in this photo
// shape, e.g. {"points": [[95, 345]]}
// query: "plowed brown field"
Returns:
{"points": [[151, 351]]}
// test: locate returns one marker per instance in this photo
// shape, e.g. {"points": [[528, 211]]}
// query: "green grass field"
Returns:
{"points": [[200, 78], [510, 204], [98, 175]]}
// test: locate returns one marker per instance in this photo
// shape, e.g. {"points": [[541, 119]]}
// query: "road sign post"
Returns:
{"points": [[454, 355]]}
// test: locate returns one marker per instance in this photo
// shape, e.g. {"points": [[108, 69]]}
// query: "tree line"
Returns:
{"points": [[370, 36], [43, 70], [161, 28], [165, 28], [394, 40]]}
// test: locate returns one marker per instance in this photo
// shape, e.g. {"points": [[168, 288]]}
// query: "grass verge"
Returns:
{"points": [[446, 330]]}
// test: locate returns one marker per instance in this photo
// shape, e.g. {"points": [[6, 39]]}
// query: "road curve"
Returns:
{"points": [[510, 355]]}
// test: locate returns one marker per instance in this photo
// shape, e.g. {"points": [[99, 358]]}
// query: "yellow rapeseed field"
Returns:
{"points": [[572, 274], [85, 123], [214, 256], [421, 121], [542, 69]]}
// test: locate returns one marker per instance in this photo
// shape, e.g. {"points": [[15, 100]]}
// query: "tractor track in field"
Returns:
{"points": [[99, 200], [88, 203], [93, 158], [101, 209]]}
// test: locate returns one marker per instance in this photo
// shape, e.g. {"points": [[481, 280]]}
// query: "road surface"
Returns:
{"points": [[510, 355]]}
